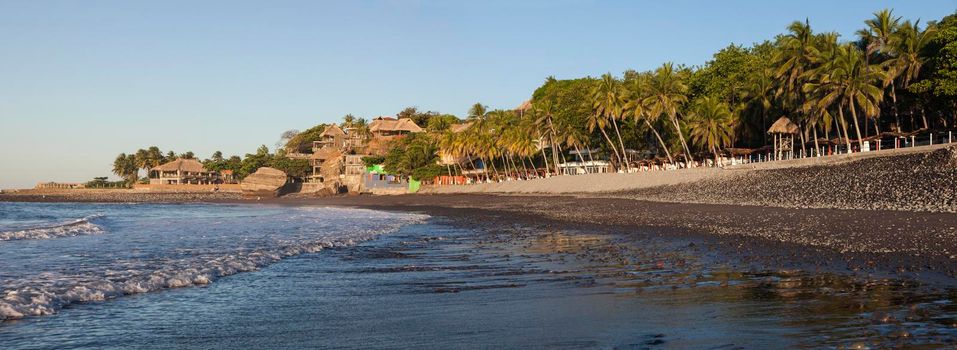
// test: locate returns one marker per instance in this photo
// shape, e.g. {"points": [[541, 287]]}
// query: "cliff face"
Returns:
{"points": [[265, 182], [924, 181]]}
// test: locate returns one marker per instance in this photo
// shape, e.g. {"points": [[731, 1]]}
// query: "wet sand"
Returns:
{"points": [[870, 244]]}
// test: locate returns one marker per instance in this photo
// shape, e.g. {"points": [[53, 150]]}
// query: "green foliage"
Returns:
{"points": [[373, 160], [218, 163], [101, 182], [298, 168], [410, 153], [726, 75], [428, 172], [940, 74], [302, 142], [126, 166], [441, 122], [254, 161]]}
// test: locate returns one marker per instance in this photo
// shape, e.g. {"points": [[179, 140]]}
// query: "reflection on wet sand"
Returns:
{"points": [[816, 309]]}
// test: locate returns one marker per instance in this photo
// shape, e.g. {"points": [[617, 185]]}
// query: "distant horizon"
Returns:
{"points": [[85, 82]]}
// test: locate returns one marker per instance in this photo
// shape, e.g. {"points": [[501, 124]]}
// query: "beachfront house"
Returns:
{"points": [[182, 172]]}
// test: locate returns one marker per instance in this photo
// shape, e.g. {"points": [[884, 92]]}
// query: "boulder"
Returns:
{"points": [[265, 182]]}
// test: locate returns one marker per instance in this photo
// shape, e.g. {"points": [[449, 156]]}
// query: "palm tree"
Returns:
{"points": [[759, 92], [906, 47], [477, 111], [712, 125], [667, 92], [852, 83], [880, 29], [635, 106], [596, 121], [608, 102], [125, 166], [545, 112], [797, 55]]}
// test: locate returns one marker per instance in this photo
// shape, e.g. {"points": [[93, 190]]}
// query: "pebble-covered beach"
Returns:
{"points": [[909, 182]]}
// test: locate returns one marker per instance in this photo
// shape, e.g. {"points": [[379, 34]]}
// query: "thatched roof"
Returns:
{"points": [[390, 124], [784, 126], [181, 164], [332, 130]]}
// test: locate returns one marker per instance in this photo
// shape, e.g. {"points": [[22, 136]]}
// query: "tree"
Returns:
{"points": [[285, 137], [880, 29], [125, 166], [302, 142], [939, 76], [149, 158], [667, 93], [636, 106], [711, 125], [253, 162], [850, 83], [609, 102]]}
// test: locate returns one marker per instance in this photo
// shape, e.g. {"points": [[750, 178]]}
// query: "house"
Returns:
{"points": [[390, 127], [181, 172]]}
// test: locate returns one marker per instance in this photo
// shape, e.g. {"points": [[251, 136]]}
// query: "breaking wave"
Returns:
{"points": [[48, 292], [77, 227]]}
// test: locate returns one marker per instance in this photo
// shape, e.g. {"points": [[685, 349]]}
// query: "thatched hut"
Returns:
{"points": [[782, 132], [387, 126]]}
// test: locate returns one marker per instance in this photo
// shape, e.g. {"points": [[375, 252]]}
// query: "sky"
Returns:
{"points": [[82, 81]]}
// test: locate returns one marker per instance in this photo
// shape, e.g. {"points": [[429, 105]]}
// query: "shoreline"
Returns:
{"points": [[749, 238], [873, 244]]}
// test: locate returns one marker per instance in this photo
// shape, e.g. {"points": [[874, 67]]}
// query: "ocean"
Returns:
{"points": [[227, 276]]}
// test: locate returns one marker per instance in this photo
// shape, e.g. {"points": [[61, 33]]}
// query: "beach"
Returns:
{"points": [[593, 268], [886, 214]]}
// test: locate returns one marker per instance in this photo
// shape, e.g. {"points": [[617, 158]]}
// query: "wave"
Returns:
{"points": [[78, 227], [47, 293]]}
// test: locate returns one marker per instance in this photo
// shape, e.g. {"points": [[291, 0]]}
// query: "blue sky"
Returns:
{"points": [[81, 81]]}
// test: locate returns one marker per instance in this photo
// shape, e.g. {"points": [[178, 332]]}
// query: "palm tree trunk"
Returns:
{"points": [[683, 143], [803, 142], [857, 129], [524, 168], [897, 118], [555, 155], [544, 161], [662, 142], [624, 153], [847, 138], [923, 115], [817, 146], [612, 144], [716, 158]]}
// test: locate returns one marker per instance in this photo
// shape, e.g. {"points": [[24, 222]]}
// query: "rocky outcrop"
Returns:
{"points": [[265, 182]]}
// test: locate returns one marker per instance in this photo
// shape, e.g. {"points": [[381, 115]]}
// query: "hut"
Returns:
{"points": [[387, 126], [782, 133], [181, 172]]}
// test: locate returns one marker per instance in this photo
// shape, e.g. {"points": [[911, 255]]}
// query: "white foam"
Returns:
{"points": [[77, 227], [48, 292]]}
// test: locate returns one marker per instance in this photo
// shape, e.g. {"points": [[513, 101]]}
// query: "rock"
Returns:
{"points": [[265, 182]]}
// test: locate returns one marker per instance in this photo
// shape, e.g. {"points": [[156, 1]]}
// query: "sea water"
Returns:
{"points": [[53, 255], [217, 276]]}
